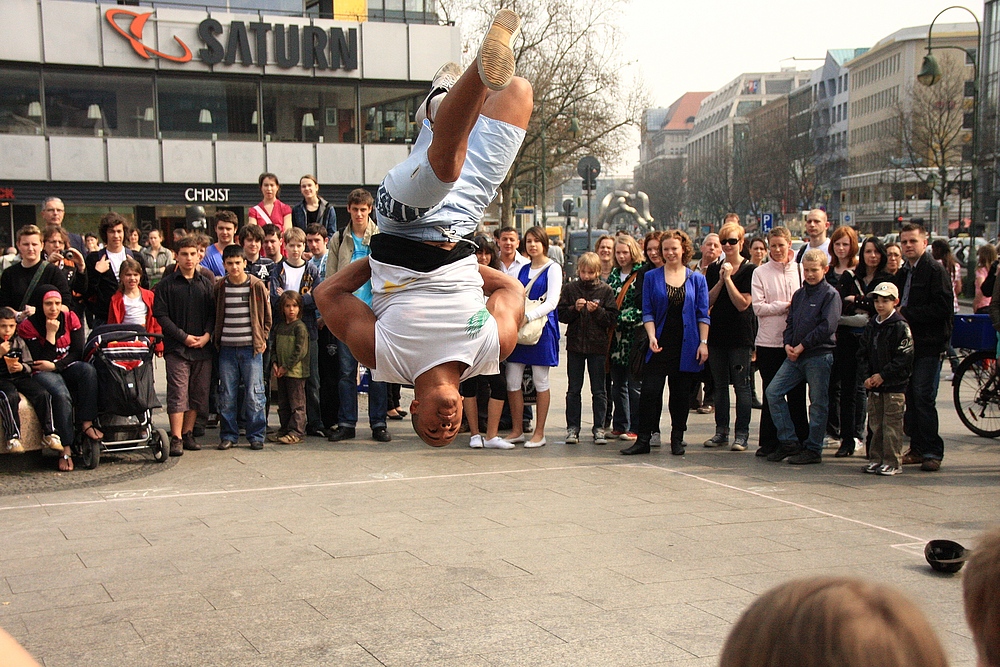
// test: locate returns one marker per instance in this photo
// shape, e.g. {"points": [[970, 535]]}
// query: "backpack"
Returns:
{"points": [[990, 281]]}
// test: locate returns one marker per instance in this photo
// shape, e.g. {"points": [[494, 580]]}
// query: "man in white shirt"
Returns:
{"points": [[430, 322], [511, 260], [816, 227]]}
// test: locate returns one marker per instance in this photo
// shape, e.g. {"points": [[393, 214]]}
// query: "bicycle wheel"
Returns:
{"points": [[977, 394]]}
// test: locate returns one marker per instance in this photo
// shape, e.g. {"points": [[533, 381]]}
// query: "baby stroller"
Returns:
{"points": [[123, 357]]}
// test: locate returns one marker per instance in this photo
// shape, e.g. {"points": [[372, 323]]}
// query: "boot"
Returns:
{"points": [[641, 445], [677, 443]]}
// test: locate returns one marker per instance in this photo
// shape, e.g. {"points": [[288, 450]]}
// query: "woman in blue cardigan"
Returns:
{"points": [[675, 314]]}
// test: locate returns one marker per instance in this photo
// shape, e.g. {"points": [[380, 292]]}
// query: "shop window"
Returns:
{"points": [[203, 109], [99, 105], [20, 102], [388, 114], [310, 113]]}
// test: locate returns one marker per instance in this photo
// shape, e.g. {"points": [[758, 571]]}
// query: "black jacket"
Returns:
{"points": [[185, 307], [887, 349], [102, 286], [812, 319], [15, 281], [587, 332], [930, 311], [325, 215]]}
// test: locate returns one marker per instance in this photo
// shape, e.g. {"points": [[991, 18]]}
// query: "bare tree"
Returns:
{"points": [[711, 186], [571, 53], [929, 136], [663, 182]]}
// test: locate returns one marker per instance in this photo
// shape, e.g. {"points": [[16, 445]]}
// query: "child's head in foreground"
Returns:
{"points": [[832, 622]]}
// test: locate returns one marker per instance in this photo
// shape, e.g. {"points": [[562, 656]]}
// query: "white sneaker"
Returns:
{"points": [[531, 444], [498, 443], [14, 446], [947, 377], [495, 60], [873, 467], [654, 440], [476, 441], [572, 436], [517, 439], [599, 437], [830, 441], [53, 442], [444, 79], [888, 470]]}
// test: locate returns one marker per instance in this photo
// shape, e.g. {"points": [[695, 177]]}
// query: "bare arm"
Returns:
{"points": [[347, 316], [506, 305]]}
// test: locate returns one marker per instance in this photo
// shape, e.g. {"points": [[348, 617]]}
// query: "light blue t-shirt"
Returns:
{"points": [[360, 252]]}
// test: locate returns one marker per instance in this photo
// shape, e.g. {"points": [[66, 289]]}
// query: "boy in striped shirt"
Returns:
{"points": [[242, 325]]}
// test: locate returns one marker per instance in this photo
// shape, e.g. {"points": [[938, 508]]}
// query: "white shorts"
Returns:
{"points": [[414, 203]]}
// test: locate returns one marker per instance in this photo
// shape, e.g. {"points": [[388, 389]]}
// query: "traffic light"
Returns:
{"points": [[899, 220]]}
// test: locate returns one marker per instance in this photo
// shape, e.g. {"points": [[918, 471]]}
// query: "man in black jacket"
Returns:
{"points": [[927, 302], [885, 361], [103, 265], [185, 308], [19, 280]]}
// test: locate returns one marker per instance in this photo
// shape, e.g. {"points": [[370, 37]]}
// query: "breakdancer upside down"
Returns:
{"points": [[431, 323]]}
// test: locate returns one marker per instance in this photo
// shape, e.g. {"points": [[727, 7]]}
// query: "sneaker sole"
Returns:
{"points": [[496, 58]]}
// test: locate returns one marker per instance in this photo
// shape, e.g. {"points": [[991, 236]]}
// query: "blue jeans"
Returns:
{"points": [[75, 384], [236, 365], [815, 371], [574, 401], [378, 393], [921, 417], [625, 392], [731, 366]]}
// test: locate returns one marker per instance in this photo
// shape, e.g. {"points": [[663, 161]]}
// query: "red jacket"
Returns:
{"points": [[116, 313]]}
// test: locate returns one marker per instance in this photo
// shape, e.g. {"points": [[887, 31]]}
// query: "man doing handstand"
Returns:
{"points": [[430, 323]]}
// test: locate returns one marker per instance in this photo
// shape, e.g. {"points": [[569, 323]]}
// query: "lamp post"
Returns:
{"points": [[930, 73]]}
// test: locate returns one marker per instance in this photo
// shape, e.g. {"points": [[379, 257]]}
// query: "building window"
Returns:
{"points": [[20, 102], [388, 114], [311, 113], [205, 109], [107, 105]]}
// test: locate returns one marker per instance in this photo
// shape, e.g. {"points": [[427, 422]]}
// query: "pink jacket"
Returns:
{"points": [[771, 290]]}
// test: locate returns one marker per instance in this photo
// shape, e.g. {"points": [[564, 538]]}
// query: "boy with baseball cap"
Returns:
{"points": [[885, 361]]}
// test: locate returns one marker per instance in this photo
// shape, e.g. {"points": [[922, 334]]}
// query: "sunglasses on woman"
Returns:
{"points": [[730, 242]]}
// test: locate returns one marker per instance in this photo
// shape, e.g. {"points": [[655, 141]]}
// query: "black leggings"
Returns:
{"points": [[656, 374]]}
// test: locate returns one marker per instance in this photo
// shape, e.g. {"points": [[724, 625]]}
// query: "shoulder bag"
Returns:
{"points": [[531, 332]]}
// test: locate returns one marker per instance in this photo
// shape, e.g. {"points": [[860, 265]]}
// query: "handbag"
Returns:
{"points": [[531, 332]]}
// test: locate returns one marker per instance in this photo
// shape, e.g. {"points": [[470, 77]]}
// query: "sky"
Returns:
{"points": [[683, 45]]}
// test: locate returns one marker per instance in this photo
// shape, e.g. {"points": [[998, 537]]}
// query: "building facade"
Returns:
{"points": [[149, 110], [884, 182], [989, 120]]}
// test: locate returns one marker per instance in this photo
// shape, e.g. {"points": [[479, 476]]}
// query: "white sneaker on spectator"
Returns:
{"points": [[53, 442], [476, 441], [498, 443], [14, 446], [600, 438]]}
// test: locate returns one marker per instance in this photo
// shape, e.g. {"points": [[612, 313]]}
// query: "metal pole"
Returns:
{"points": [[542, 123], [588, 217]]}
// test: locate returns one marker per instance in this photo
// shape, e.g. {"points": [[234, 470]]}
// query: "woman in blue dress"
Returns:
{"points": [[546, 286]]}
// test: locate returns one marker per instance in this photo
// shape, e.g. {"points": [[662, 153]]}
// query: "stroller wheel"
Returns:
{"points": [[90, 451], [161, 446]]}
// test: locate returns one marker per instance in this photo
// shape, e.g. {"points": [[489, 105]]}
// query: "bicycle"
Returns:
{"points": [[976, 385]]}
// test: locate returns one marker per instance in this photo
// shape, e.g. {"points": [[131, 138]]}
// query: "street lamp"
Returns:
{"points": [[930, 73]]}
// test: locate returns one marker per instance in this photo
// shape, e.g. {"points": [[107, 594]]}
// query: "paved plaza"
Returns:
{"points": [[399, 554]]}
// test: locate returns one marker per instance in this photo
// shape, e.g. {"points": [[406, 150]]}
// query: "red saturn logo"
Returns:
{"points": [[135, 38]]}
